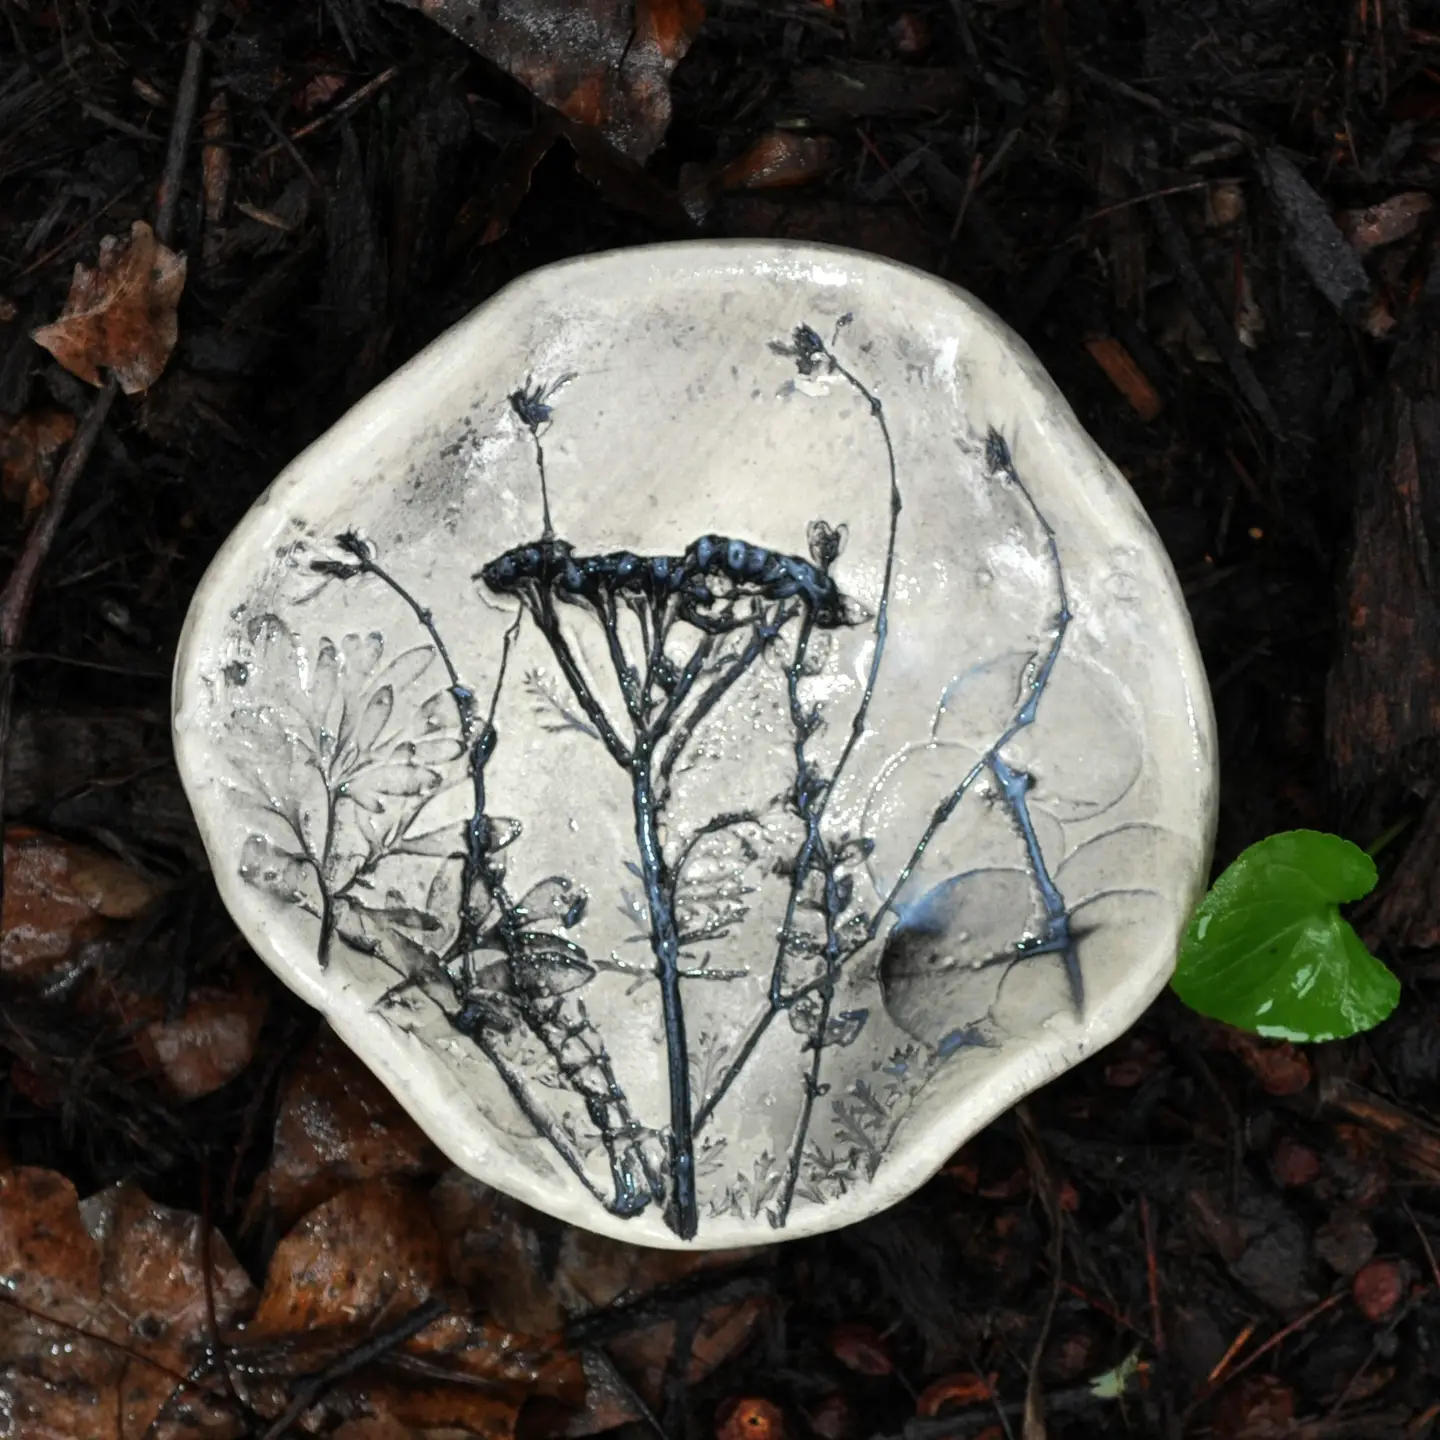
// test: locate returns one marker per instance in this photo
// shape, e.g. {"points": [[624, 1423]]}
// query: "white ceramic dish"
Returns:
{"points": [[711, 733]]}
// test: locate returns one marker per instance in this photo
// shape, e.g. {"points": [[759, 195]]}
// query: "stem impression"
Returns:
{"points": [[680, 631]]}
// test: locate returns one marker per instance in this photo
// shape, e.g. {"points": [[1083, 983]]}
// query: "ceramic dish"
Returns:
{"points": [[711, 732]]}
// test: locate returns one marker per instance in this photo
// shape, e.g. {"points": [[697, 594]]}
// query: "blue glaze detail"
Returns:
{"points": [[722, 586]]}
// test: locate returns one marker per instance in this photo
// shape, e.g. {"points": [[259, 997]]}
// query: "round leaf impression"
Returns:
{"points": [[1269, 952]]}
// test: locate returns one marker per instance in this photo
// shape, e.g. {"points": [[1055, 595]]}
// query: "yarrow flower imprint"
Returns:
{"points": [[666, 854]]}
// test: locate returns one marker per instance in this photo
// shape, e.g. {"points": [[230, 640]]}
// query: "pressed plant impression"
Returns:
{"points": [[712, 764]]}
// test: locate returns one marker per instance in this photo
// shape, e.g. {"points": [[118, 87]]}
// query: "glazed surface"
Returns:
{"points": [[711, 733]]}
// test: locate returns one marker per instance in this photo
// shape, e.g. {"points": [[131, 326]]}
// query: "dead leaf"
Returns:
{"points": [[1293, 1164], [456, 1373], [1260, 1407], [370, 1254], [954, 1391], [861, 1348], [495, 1246], [1379, 1288], [536, 1275], [465, 1373], [57, 897], [375, 1427], [358, 1266], [336, 1124], [108, 1312], [1385, 223], [1278, 1066], [29, 451], [152, 1277], [604, 63], [211, 1041], [778, 159], [647, 1357], [120, 316]]}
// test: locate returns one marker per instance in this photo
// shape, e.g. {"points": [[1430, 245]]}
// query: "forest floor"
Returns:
{"points": [[1213, 220]]}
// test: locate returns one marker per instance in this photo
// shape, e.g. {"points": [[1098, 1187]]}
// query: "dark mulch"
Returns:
{"points": [[1164, 186]]}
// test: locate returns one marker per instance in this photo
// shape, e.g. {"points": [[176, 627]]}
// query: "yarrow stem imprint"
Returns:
{"points": [[680, 631]]}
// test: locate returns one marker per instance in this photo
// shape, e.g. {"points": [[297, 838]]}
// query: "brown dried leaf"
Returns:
{"points": [[604, 63], [1278, 1066], [1385, 223], [370, 1254], [647, 1357], [484, 1351], [336, 1124], [861, 1348], [456, 1373], [354, 1268], [211, 1041], [375, 1427], [29, 451], [495, 1244], [152, 1277], [58, 896], [1293, 1164], [1260, 1407], [120, 316], [1379, 1288], [461, 1393], [109, 1311], [50, 1262], [496, 1249], [953, 1392], [778, 159]]}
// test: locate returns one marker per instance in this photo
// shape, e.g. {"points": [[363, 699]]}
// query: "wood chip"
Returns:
{"points": [[1125, 375], [1315, 239]]}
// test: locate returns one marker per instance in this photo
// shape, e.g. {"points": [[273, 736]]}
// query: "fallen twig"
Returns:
{"points": [[357, 1359], [338, 111], [1207, 311], [187, 98], [1033, 1422], [18, 597], [1279, 1337]]}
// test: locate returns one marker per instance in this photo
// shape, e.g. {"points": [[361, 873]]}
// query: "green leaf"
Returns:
{"points": [[1268, 951]]}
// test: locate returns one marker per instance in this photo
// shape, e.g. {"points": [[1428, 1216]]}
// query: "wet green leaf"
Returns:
{"points": [[1269, 952]]}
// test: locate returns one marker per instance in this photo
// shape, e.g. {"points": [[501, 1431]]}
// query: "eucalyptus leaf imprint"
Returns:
{"points": [[705, 918]]}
